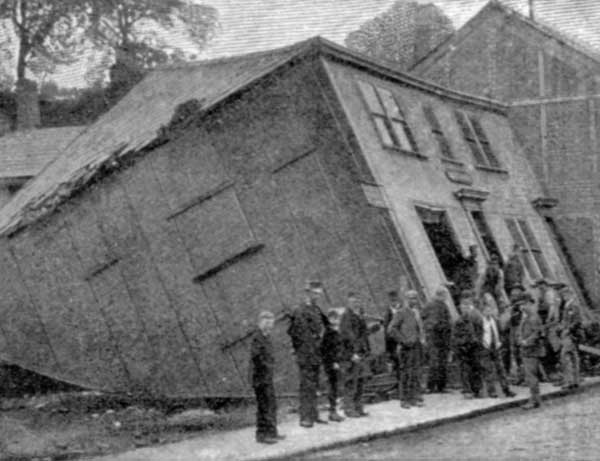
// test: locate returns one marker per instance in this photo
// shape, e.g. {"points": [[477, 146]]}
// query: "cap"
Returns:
{"points": [[540, 281], [467, 294], [314, 286], [523, 299], [515, 286], [266, 315], [393, 293]]}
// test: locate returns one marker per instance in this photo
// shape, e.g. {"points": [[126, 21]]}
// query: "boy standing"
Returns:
{"points": [[331, 355], [570, 334], [407, 329], [262, 363], [530, 339]]}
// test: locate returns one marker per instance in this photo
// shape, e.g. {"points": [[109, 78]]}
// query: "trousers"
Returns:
{"points": [[569, 359], [266, 411], [493, 370], [531, 366], [333, 383], [410, 369], [309, 384], [353, 386], [438, 363]]}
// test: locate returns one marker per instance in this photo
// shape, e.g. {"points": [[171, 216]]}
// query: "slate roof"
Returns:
{"points": [[24, 154], [138, 118], [495, 6]]}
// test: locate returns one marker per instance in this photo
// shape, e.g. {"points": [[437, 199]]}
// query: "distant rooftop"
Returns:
{"points": [[23, 154]]}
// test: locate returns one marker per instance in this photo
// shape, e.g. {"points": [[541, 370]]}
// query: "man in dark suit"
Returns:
{"points": [[331, 353], [391, 345], [438, 329], [355, 350], [306, 330], [531, 341], [571, 332], [408, 331], [262, 362], [467, 342]]}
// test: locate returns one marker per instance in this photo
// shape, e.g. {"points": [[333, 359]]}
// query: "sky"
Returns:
{"points": [[254, 25]]}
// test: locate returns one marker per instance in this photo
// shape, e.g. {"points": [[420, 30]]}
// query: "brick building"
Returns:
{"points": [[139, 258], [552, 86]]}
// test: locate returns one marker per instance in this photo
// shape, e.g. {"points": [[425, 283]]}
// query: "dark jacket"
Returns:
{"points": [[437, 323], [331, 347], [307, 326], [530, 331], [513, 272], [405, 328], [571, 324], [262, 360], [468, 330], [354, 335], [390, 343]]}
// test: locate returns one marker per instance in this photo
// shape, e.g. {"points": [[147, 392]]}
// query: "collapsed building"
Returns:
{"points": [[138, 260]]}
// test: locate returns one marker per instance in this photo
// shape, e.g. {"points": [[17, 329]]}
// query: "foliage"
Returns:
{"points": [[404, 33], [46, 32], [134, 29]]}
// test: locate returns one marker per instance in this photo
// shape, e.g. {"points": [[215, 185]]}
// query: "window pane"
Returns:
{"points": [[384, 133], [431, 118], [528, 233], [484, 232], [542, 264], [402, 136], [390, 104], [476, 151], [444, 146], [511, 224], [485, 143], [368, 92], [464, 125]]}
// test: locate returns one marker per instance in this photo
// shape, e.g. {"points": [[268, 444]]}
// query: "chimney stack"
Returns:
{"points": [[28, 105], [531, 10]]}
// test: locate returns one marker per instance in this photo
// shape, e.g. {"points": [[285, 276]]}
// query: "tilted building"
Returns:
{"points": [[552, 87], [139, 259]]}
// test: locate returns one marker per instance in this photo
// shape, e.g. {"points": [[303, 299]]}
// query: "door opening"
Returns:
{"points": [[442, 240]]}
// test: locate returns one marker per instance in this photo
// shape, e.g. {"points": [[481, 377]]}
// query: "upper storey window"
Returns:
{"points": [[388, 118], [477, 139], [438, 133]]}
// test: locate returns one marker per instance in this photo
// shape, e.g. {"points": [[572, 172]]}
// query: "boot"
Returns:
{"points": [[335, 416]]}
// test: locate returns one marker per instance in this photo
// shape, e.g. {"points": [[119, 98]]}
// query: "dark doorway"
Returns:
{"points": [[442, 239]]}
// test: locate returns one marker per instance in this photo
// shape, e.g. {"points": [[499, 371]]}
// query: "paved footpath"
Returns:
{"points": [[385, 418]]}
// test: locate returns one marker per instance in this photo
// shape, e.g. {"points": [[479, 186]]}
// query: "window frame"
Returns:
{"points": [[532, 257], [479, 144], [387, 123], [436, 128]]}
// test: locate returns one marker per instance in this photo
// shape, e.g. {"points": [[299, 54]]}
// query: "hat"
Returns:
{"points": [[467, 294], [314, 286], [541, 281], [266, 315], [516, 286], [523, 299], [393, 293]]}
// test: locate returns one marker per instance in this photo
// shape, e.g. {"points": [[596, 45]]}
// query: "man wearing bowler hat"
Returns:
{"points": [[306, 330]]}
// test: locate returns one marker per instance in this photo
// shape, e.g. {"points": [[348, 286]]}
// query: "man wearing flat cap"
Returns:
{"points": [[531, 341], [306, 330]]}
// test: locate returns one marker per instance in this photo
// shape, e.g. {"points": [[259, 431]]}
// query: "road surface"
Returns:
{"points": [[566, 428]]}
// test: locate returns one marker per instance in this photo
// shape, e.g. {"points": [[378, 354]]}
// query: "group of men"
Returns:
{"points": [[500, 328]]}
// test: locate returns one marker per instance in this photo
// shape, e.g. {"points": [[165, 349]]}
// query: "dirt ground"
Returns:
{"points": [[72, 424]]}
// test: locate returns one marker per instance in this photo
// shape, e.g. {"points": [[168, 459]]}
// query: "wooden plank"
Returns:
{"points": [[119, 225], [113, 299], [187, 300], [198, 309]]}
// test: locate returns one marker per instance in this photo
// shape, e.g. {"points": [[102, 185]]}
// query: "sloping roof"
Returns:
{"points": [[495, 6], [25, 153], [137, 119]]}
